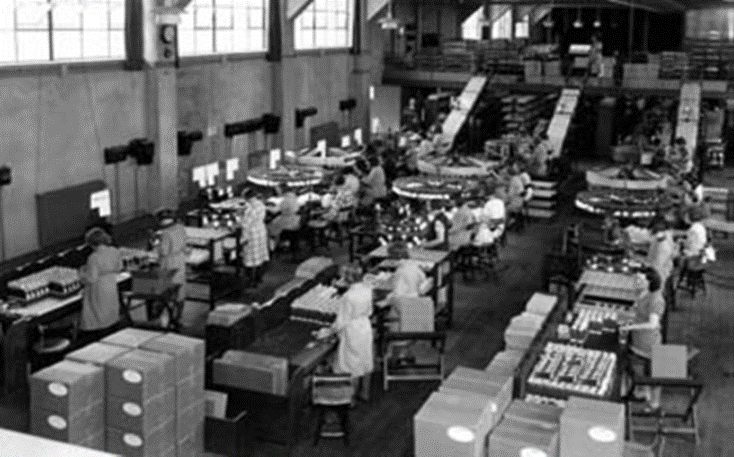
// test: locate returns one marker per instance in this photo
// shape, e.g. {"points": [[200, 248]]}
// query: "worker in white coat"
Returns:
{"points": [[173, 250]]}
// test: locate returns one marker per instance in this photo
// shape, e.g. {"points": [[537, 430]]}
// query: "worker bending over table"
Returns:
{"points": [[355, 354], [173, 250], [101, 301], [438, 227], [288, 217]]}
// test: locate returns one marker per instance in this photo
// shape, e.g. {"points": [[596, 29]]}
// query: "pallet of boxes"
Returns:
{"points": [[136, 393]]}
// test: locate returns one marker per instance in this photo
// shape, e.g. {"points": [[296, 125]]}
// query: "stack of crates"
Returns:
{"points": [[497, 387], [592, 427], [67, 404], [141, 404], [188, 356]]}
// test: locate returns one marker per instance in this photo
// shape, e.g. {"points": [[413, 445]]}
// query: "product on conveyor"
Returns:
{"points": [[319, 305]]}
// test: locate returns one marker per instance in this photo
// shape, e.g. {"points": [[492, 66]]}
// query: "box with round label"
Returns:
{"points": [[138, 375], [506, 362], [188, 353], [156, 443], [189, 391], [96, 441], [592, 427], [96, 353], [534, 413], [512, 438], [131, 338], [442, 429], [188, 420], [134, 416], [67, 387], [76, 429]]}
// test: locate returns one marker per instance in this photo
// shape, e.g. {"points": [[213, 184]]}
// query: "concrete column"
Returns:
{"points": [[162, 127]]}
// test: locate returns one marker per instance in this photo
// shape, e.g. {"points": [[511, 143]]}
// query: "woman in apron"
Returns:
{"points": [[173, 251]]}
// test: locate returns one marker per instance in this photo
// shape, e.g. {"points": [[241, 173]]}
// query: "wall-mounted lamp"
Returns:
{"points": [[242, 127], [186, 140], [302, 114]]}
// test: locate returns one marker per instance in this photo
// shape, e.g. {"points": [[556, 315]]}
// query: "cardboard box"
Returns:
{"points": [[188, 353], [190, 420], [249, 371], [131, 338], [96, 441], [592, 427], [67, 387], [497, 388], [96, 353], [76, 429], [192, 445], [139, 375], [541, 304], [141, 417], [158, 442], [189, 391], [441, 430], [515, 438], [548, 416]]}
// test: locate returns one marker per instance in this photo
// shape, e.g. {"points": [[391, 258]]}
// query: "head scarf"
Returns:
{"points": [[408, 279]]}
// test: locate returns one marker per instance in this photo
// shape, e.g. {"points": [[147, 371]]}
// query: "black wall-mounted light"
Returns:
{"points": [[302, 114], [5, 177], [142, 150], [186, 140], [348, 104], [116, 154], [271, 123], [242, 127]]}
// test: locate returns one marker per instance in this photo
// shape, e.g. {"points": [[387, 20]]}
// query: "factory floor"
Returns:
{"points": [[383, 426]]}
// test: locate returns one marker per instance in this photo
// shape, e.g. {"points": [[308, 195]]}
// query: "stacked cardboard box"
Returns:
{"points": [[592, 427], [188, 355], [452, 424], [131, 338], [545, 415], [67, 403], [519, 438], [250, 371], [522, 331], [541, 304], [505, 362], [141, 404], [498, 388], [229, 326]]}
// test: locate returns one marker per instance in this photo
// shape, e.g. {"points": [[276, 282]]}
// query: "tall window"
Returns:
{"points": [[471, 29], [223, 27], [324, 24], [38, 31], [502, 27]]}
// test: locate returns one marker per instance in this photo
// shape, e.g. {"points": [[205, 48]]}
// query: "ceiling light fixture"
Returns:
{"points": [[577, 24], [597, 21], [389, 22], [548, 21]]}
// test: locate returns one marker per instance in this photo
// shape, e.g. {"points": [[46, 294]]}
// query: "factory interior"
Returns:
{"points": [[366, 228]]}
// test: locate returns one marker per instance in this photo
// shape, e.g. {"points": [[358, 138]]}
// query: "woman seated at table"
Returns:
{"points": [[374, 186], [288, 217], [492, 219], [255, 251], [696, 236], [438, 228], [354, 328], [646, 332], [101, 303], [343, 199]]}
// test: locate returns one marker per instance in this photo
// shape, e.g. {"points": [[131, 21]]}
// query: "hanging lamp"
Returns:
{"points": [[389, 22], [548, 21], [577, 24]]}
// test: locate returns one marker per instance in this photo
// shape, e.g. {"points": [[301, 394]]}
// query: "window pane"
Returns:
{"points": [[7, 16], [66, 18], [186, 42], [187, 21], [32, 17], [321, 21], [256, 18], [33, 46], [308, 19], [117, 44], [95, 19], [7, 46], [341, 20], [240, 18], [332, 5], [257, 42], [204, 42], [204, 18], [117, 17], [320, 5], [253, 3], [225, 3], [224, 41], [201, 3], [67, 45], [96, 44], [224, 18], [239, 43], [322, 38], [307, 40]]}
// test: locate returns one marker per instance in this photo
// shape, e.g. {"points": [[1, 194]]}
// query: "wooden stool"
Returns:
{"points": [[332, 393]]}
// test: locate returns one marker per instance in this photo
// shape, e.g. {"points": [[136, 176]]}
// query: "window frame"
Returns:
{"points": [[214, 57], [317, 50], [64, 65]]}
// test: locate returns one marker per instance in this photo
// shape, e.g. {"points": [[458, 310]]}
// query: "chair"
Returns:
{"points": [[691, 278], [427, 349], [669, 372], [479, 259], [332, 393]]}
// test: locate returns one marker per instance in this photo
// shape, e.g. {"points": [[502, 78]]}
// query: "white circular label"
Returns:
{"points": [[132, 409], [532, 452], [132, 376], [493, 407], [57, 422], [460, 434], [132, 440], [58, 389], [602, 434]]}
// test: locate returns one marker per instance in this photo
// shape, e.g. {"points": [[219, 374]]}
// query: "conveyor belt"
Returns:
{"points": [[561, 120], [467, 100], [689, 114]]}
